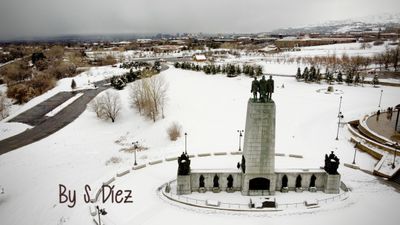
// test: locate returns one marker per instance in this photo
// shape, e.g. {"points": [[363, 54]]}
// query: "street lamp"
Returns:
{"points": [[102, 212], [340, 116], [340, 105], [135, 147], [185, 143], [397, 119], [380, 99], [240, 138]]}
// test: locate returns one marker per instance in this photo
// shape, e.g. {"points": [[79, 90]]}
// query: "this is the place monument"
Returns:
{"points": [[257, 174]]}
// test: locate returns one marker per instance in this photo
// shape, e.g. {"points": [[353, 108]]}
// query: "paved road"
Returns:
{"points": [[36, 115], [45, 126]]}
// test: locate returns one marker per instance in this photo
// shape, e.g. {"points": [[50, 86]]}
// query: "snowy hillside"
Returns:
{"points": [[210, 108]]}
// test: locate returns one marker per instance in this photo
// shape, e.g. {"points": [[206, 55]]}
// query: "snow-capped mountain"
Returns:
{"points": [[367, 23]]}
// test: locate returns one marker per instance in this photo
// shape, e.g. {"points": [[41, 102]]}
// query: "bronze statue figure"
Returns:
{"points": [[255, 88], [183, 164], [331, 163], [263, 89], [270, 88]]}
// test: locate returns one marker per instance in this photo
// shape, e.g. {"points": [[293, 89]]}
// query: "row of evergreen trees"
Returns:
{"points": [[134, 64], [119, 82], [230, 70], [314, 75]]}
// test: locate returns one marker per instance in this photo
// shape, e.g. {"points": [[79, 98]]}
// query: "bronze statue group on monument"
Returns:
{"points": [[264, 88]]}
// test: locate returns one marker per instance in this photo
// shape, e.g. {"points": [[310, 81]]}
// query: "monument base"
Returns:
{"points": [[183, 185], [332, 184]]}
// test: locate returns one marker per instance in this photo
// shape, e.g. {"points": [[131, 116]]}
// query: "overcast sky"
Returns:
{"points": [[28, 18]]}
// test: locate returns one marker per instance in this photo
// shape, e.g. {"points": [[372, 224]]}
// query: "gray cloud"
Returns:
{"points": [[21, 18]]}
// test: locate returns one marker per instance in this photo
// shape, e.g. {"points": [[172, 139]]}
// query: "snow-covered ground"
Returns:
{"points": [[210, 108], [83, 81], [350, 49]]}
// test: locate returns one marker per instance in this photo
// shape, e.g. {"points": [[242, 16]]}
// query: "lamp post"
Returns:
{"points": [[340, 105], [135, 146], [240, 138], [397, 119], [102, 212], [380, 99], [185, 143], [340, 116]]}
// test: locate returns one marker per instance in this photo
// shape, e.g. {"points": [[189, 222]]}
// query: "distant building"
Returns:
{"points": [[166, 48], [199, 58]]}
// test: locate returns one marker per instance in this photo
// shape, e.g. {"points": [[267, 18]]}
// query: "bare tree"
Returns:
{"points": [[96, 106], [148, 96], [107, 106], [4, 106], [111, 105]]}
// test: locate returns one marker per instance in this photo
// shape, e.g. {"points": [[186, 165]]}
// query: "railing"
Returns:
{"points": [[242, 206]]}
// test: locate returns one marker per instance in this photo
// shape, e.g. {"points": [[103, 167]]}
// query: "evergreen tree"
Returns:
{"points": [[117, 82], [312, 74], [339, 77], [246, 69], [298, 74], [318, 76], [219, 69], [259, 71], [73, 84], [213, 69], [305, 74], [251, 71], [223, 70], [206, 69], [238, 70], [357, 79], [349, 78], [375, 81], [329, 77]]}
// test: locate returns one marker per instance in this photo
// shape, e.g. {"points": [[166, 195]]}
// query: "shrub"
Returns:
{"points": [[20, 92], [113, 160], [108, 60], [174, 131], [41, 83]]}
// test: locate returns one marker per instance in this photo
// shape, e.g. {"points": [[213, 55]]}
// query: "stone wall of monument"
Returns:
{"points": [[209, 179], [292, 176]]}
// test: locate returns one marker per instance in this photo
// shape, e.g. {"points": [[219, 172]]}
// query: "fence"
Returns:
{"points": [[242, 206]]}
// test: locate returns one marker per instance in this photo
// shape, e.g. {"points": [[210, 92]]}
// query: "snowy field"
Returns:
{"points": [[210, 109], [350, 49]]}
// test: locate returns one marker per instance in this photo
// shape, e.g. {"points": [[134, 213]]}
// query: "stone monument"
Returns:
{"points": [[256, 174], [259, 149]]}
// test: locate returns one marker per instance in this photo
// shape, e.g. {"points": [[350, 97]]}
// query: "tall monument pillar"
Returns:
{"points": [[259, 149]]}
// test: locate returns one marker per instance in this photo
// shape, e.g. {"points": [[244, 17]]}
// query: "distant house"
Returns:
{"points": [[199, 58]]}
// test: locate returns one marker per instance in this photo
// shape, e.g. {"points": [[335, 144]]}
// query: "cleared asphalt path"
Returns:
{"points": [[36, 115]]}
